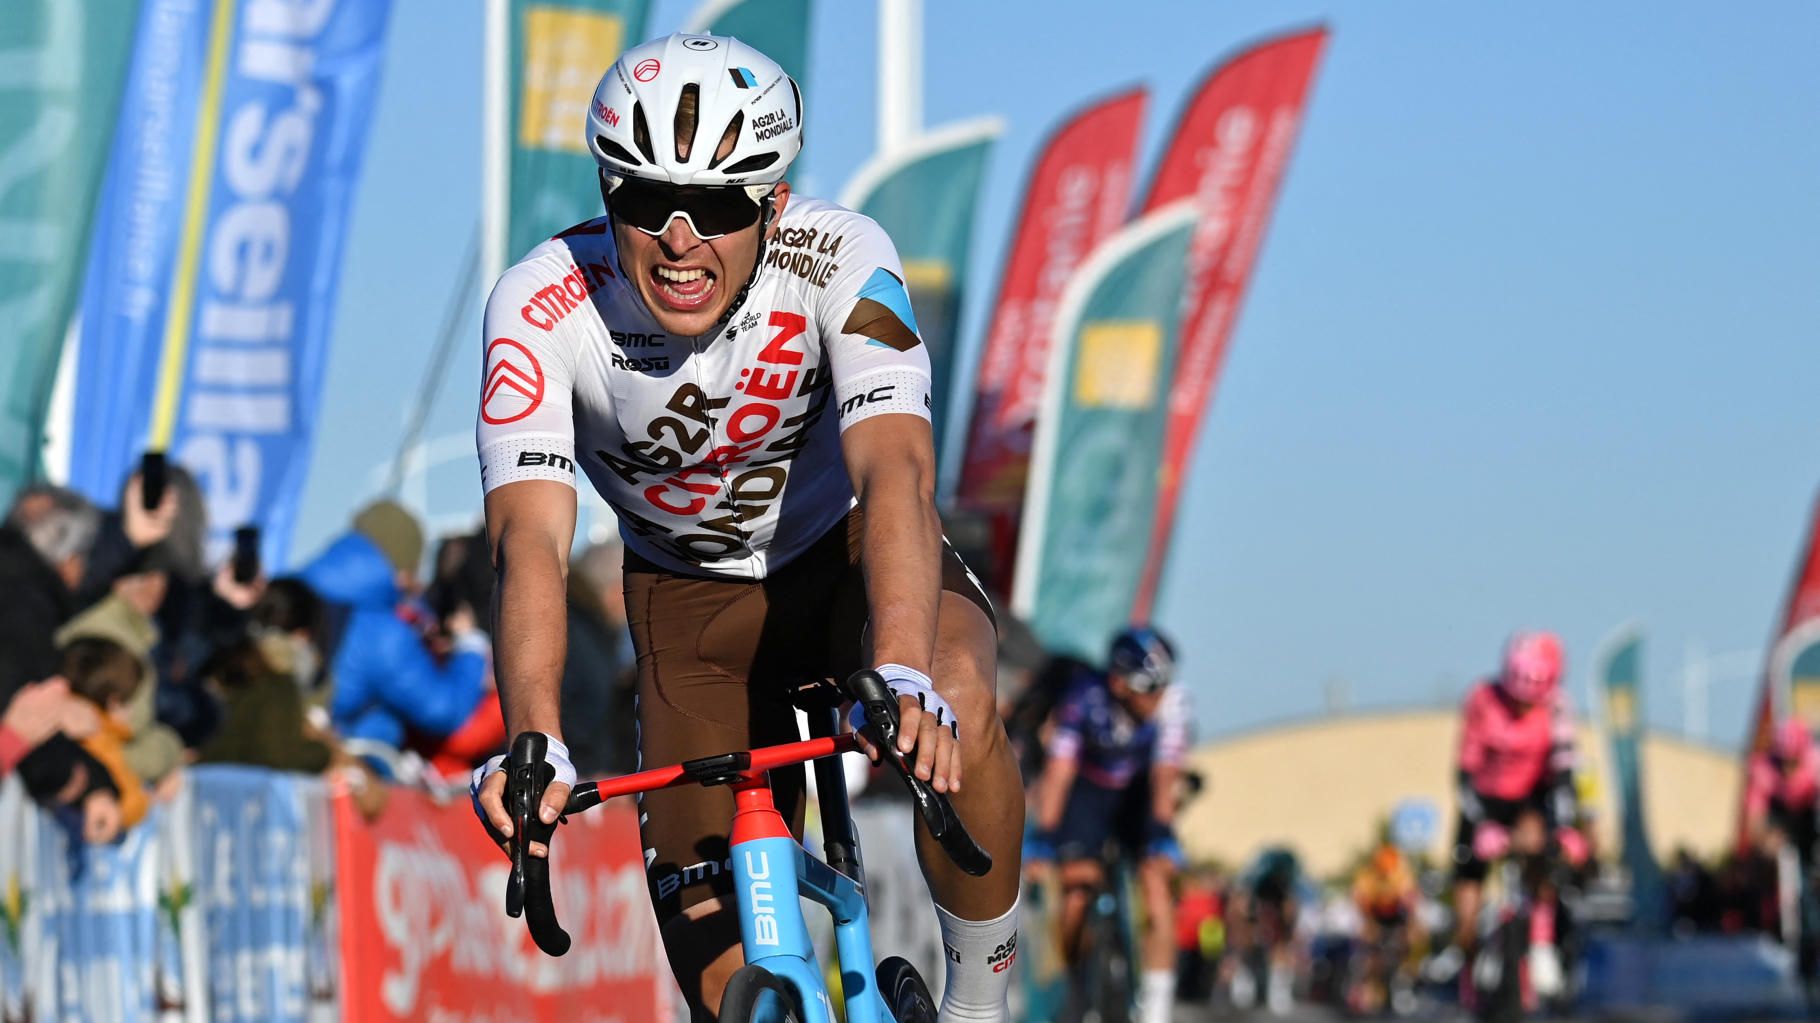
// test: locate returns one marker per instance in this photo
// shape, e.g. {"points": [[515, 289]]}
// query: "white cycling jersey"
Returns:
{"points": [[720, 453]]}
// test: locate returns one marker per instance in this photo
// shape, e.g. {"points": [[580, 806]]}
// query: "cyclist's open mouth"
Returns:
{"points": [[684, 290]]}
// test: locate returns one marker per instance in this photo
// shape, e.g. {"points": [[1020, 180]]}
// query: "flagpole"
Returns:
{"points": [[494, 171], [900, 72]]}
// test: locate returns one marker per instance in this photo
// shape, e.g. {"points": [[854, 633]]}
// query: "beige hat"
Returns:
{"points": [[394, 531]]}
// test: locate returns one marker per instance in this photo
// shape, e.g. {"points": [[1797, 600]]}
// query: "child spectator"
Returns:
{"points": [[107, 675], [93, 774]]}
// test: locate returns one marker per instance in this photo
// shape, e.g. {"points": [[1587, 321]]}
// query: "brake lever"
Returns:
{"points": [[528, 884], [868, 689]]}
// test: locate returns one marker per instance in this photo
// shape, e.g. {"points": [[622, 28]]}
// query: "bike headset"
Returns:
{"points": [[726, 79]]}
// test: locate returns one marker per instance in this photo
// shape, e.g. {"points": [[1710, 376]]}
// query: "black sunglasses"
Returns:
{"points": [[711, 211]]}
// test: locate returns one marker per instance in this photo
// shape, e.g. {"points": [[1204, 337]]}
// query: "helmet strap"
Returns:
{"points": [[764, 237]]}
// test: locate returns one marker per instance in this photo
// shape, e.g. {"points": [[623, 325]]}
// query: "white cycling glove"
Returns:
{"points": [[903, 682], [556, 755]]}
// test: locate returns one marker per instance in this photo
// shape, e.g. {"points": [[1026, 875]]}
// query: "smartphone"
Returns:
{"points": [[151, 480], [245, 565]]}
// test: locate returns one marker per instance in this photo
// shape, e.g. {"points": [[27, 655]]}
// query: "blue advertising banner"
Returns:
{"points": [[93, 932], [262, 889], [212, 275]]}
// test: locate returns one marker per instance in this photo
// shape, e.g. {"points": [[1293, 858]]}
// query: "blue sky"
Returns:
{"points": [[1532, 339]]}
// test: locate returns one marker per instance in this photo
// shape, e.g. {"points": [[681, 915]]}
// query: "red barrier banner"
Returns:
{"points": [[1077, 196], [425, 937], [1228, 151]]}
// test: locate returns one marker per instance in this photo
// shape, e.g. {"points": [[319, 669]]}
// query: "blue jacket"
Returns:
{"points": [[384, 678]]}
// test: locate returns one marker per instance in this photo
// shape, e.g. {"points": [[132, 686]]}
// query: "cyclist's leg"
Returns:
{"points": [[1080, 879], [1080, 840], [1469, 873], [699, 642], [1156, 880], [977, 914]]}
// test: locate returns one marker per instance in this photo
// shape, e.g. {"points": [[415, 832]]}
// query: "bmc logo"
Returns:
{"points": [[625, 339], [875, 395], [528, 459], [760, 898], [636, 363]]}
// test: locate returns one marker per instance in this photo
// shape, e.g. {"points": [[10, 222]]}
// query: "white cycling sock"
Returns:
{"points": [[1156, 996], [980, 954]]}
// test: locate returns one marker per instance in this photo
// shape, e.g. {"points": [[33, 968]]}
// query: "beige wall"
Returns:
{"points": [[1322, 786]]}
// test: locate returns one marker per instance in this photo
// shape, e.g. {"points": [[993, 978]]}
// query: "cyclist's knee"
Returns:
{"points": [[1079, 875]]}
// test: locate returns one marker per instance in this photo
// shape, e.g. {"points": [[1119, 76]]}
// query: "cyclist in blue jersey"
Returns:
{"points": [[1115, 756]]}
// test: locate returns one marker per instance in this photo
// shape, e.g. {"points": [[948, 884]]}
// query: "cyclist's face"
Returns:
{"points": [[713, 270], [1141, 705]]}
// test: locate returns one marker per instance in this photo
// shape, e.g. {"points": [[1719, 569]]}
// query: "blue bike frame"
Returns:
{"points": [[771, 876]]}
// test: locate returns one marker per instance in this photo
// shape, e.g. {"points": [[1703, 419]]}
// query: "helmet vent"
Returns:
{"points": [[683, 127], [728, 140], [615, 150], [641, 133], [753, 163]]}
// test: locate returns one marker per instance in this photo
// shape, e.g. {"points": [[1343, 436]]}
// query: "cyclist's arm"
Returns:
{"points": [[526, 441], [892, 461], [1062, 764], [1471, 757], [1173, 732], [881, 379], [530, 526], [1052, 791]]}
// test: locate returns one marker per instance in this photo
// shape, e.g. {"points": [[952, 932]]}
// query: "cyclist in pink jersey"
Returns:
{"points": [[1782, 790], [1516, 790]]}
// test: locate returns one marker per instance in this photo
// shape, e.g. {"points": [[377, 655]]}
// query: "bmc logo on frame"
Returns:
{"points": [[760, 898]]}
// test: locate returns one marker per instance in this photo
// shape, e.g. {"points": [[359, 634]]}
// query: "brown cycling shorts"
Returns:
{"points": [[717, 659]]}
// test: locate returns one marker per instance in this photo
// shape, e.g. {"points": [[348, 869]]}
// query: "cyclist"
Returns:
{"points": [[1384, 891], [1516, 792], [1266, 918], [1115, 756], [1781, 791], [738, 372]]}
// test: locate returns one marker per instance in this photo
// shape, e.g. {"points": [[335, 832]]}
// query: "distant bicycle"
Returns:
{"points": [[781, 981], [1508, 978], [1105, 988]]}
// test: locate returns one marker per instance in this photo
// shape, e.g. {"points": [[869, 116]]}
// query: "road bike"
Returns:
{"points": [[781, 981]]}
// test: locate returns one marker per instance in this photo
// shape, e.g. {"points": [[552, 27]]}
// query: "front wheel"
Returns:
{"points": [[904, 992], [756, 995]]}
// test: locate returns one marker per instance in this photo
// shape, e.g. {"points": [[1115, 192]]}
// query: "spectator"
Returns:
{"points": [[263, 722], [153, 750], [125, 537], [106, 674], [461, 592], [383, 678], [44, 549], [38, 711], [599, 687]]}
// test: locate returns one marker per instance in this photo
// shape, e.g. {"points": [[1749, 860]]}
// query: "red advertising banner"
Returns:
{"points": [[1229, 150], [425, 936], [1078, 194]]}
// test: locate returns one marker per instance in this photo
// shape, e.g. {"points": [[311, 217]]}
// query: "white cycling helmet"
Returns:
{"points": [[739, 92]]}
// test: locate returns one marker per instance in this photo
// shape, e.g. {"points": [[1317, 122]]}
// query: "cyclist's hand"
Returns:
{"points": [[487, 790], [1490, 841], [926, 728], [1574, 847], [1160, 841]]}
